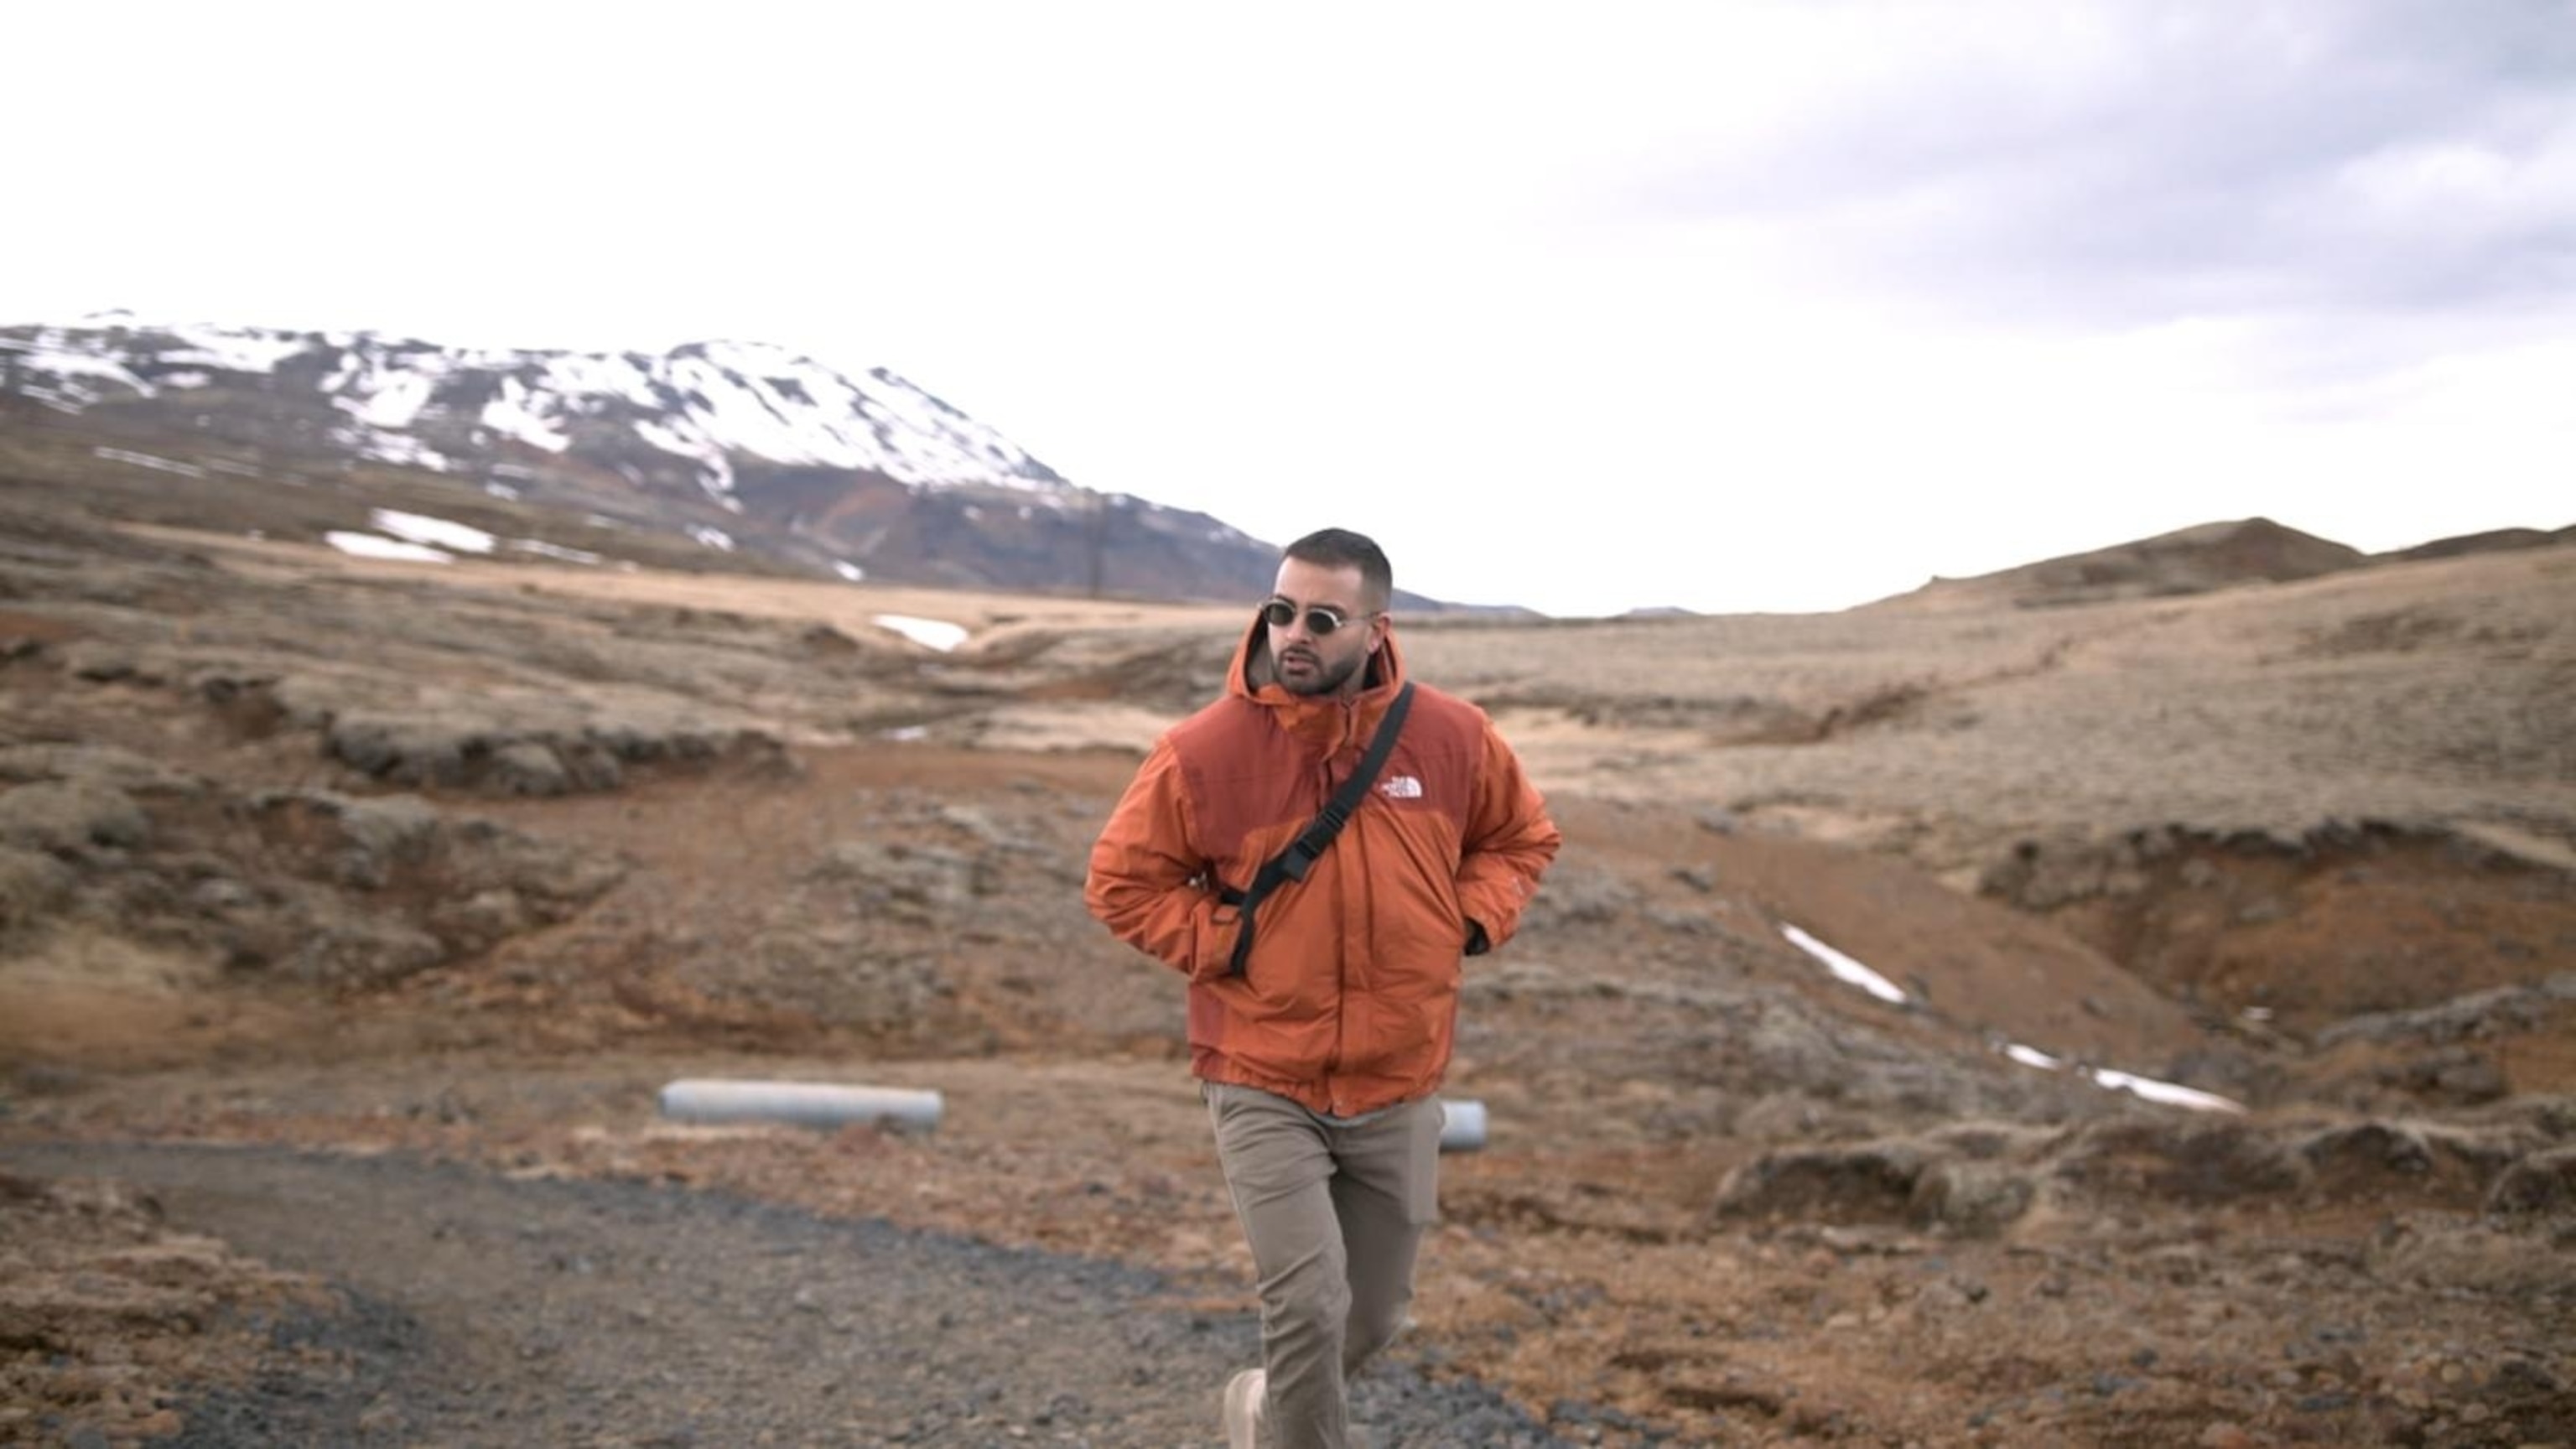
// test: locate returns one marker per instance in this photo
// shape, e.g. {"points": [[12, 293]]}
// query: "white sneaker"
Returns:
{"points": [[1243, 1395]]}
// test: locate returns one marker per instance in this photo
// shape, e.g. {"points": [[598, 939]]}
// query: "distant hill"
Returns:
{"points": [[2193, 560], [2492, 541], [2187, 561]]}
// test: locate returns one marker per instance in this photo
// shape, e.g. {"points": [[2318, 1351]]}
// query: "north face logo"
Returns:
{"points": [[1402, 787]]}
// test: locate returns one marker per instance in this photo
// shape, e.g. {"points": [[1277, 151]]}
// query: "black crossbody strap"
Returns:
{"points": [[1301, 854]]}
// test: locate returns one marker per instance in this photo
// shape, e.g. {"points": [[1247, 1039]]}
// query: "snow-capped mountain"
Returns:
{"points": [[738, 445]]}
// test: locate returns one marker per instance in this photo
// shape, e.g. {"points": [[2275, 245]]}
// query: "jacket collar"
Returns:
{"points": [[1323, 718]]}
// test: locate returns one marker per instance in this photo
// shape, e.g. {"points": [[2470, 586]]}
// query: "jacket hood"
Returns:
{"points": [[1253, 677]]}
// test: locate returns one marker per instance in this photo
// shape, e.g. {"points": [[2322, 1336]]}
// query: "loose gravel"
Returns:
{"points": [[476, 1309]]}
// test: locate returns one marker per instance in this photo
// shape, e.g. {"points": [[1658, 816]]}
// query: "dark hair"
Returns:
{"points": [[1339, 548]]}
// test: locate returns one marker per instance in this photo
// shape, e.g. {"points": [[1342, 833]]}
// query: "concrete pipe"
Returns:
{"points": [[804, 1104], [1462, 1125]]}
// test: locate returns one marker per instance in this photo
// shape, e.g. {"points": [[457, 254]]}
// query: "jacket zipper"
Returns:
{"points": [[1342, 956]]}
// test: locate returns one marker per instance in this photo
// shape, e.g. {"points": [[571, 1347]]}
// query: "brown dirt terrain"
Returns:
{"points": [[464, 864]]}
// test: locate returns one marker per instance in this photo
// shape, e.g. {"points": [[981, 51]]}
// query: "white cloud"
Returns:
{"points": [[1762, 305]]}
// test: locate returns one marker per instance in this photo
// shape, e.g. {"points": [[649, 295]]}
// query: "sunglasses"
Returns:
{"points": [[1321, 619]]}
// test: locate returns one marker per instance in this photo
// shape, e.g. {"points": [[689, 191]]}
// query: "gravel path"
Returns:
{"points": [[488, 1311]]}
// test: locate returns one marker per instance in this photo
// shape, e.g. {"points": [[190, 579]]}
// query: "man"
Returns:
{"points": [[1320, 1042]]}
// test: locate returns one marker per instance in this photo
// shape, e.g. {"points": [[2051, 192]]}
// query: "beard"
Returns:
{"points": [[1323, 679]]}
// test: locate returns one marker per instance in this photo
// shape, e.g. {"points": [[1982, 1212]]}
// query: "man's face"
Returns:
{"points": [[1310, 663]]}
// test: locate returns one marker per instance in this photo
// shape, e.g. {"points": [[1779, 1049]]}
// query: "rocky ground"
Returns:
{"points": [[469, 1307], [412, 887]]}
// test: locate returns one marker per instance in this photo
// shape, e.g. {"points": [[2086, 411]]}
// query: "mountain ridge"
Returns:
{"points": [[760, 457], [736, 446]]}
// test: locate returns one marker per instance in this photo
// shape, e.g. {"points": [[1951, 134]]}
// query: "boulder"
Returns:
{"points": [[527, 767], [33, 885], [2542, 1185], [2193, 1161], [1864, 1182], [1972, 1199], [67, 817]]}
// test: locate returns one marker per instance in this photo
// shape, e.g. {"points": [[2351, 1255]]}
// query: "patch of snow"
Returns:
{"points": [[623, 377], [420, 528], [401, 448], [848, 570], [2033, 1057], [368, 545], [548, 550], [929, 633], [2166, 1092], [711, 537], [511, 415], [948, 445], [1844, 968], [227, 465], [66, 365], [395, 404], [234, 349], [146, 460], [2147, 1087], [502, 490], [717, 477], [771, 403]]}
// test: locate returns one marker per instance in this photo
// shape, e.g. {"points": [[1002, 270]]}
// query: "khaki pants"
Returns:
{"points": [[1333, 1214]]}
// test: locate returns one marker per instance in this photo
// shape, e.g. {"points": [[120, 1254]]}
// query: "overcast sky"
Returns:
{"points": [[1732, 306]]}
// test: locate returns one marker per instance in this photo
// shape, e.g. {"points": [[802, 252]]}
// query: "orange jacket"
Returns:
{"points": [[1349, 999]]}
